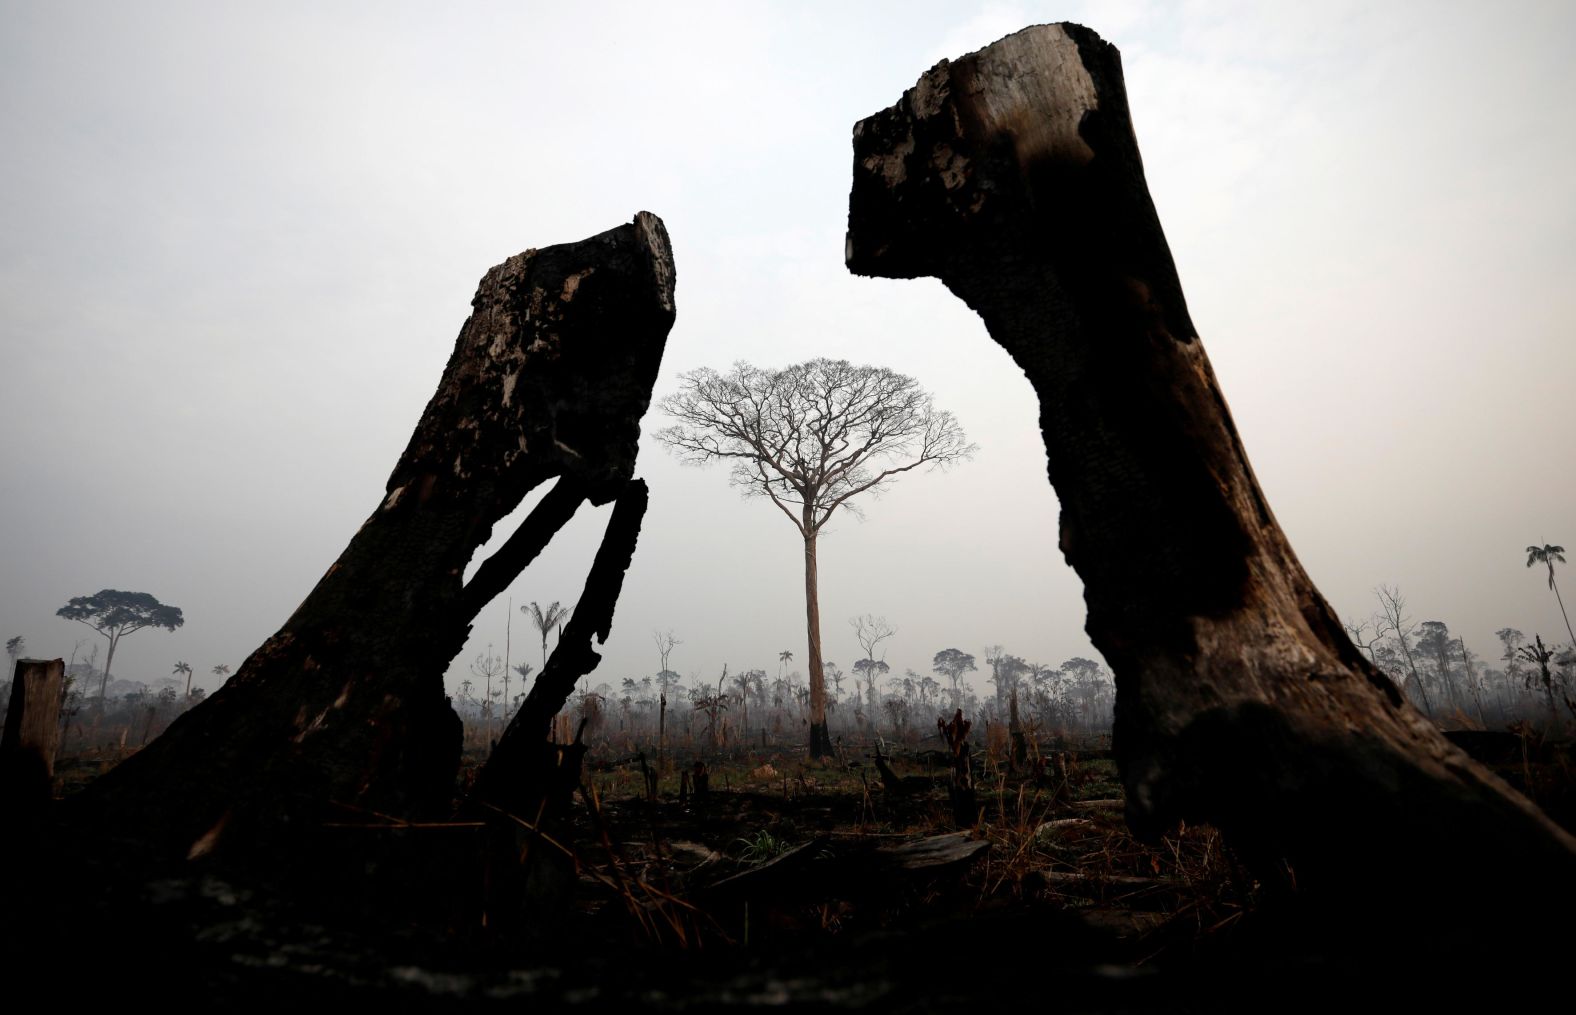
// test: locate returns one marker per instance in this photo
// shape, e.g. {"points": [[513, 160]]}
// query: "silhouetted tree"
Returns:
{"points": [[1551, 555], [1357, 631], [811, 437], [1090, 685], [869, 670], [870, 631], [1537, 653], [1006, 672], [521, 670], [1392, 617], [115, 614], [953, 663], [835, 674], [184, 669], [743, 682], [487, 666], [545, 620], [1434, 641], [713, 705], [1511, 639], [1471, 678]]}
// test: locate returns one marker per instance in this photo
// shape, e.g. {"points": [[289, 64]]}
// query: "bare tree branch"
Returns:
{"points": [[810, 437]]}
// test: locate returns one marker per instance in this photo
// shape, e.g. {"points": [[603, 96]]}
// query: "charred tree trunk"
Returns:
{"points": [[1020, 744], [960, 781], [1013, 175], [345, 705], [31, 737], [525, 768]]}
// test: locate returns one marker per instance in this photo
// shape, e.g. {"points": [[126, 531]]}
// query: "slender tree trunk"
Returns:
{"points": [[104, 680], [1417, 678], [1561, 600], [1477, 696], [1450, 685], [820, 740], [1020, 746]]}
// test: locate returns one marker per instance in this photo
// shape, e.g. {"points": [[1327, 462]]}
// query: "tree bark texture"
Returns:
{"points": [[345, 706], [32, 735], [1013, 175]]}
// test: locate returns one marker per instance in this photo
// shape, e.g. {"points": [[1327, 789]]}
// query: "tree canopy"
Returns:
{"points": [[1549, 554], [810, 436], [115, 614]]}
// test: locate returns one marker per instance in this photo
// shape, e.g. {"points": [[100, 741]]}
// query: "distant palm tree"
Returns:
{"points": [[783, 659], [184, 669], [1552, 555], [221, 671], [545, 620]]}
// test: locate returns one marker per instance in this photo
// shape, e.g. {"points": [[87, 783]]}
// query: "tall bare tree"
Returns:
{"points": [[1551, 555], [488, 666], [810, 438], [666, 642], [1392, 619], [1357, 630], [870, 631]]}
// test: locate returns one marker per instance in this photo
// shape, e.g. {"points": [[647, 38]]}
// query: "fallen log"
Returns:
{"points": [[345, 705], [1099, 886], [1101, 804], [1013, 175], [934, 853]]}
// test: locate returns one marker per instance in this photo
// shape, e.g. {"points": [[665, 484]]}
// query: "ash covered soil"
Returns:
{"points": [[782, 884]]}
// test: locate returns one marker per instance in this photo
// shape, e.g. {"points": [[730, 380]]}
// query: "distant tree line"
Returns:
{"points": [[751, 705], [1526, 680]]}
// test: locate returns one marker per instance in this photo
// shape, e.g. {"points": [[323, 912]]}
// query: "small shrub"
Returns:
{"points": [[760, 847]]}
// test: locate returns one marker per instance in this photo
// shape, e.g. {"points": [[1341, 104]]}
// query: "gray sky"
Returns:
{"points": [[240, 239]]}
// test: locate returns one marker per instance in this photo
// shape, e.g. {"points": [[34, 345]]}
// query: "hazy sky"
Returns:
{"points": [[239, 240]]}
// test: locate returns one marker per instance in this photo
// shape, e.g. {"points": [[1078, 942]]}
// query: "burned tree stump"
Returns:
{"points": [[960, 776], [32, 735], [345, 705], [1013, 175]]}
